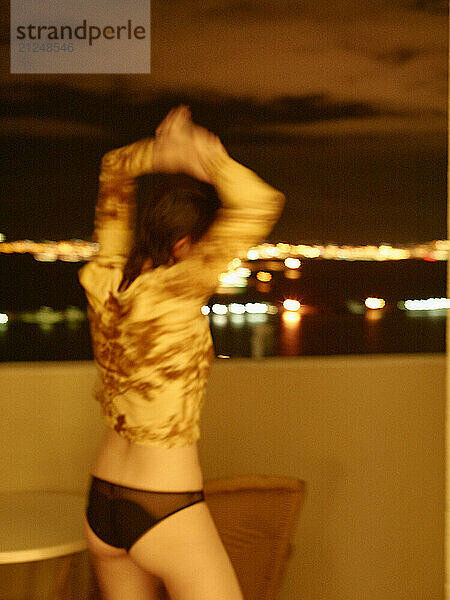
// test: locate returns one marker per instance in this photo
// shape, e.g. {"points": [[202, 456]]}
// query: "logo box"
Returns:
{"points": [[89, 36]]}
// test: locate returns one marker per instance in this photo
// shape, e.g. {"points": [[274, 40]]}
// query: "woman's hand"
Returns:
{"points": [[180, 146]]}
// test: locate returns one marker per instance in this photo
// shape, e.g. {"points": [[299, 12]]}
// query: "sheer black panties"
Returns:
{"points": [[120, 515]]}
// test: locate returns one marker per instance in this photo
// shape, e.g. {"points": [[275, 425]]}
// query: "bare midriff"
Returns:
{"points": [[147, 467]]}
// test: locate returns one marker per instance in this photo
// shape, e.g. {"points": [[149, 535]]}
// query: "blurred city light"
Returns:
{"points": [[243, 272], [78, 250], [236, 309], [74, 316], [232, 279], [234, 264], [292, 263], [375, 303], [256, 307], [219, 309], [291, 305], [428, 304], [357, 308], [46, 256], [263, 276]]}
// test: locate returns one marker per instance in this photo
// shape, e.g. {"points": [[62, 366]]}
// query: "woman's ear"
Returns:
{"points": [[181, 242], [181, 247]]}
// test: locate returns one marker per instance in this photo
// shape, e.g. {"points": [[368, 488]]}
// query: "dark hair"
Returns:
{"points": [[163, 221]]}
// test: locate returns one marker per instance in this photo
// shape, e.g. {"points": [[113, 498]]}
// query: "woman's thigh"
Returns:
{"points": [[186, 552]]}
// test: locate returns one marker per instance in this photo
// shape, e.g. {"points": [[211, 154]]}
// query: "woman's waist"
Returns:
{"points": [[147, 467]]}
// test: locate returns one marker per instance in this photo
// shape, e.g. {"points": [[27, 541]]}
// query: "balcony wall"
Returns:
{"points": [[365, 432]]}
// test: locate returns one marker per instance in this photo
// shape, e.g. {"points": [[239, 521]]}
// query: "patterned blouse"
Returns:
{"points": [[152, 345]]}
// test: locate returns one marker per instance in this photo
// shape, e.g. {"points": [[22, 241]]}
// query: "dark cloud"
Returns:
{"points": [[41, 105], [390, 55]]}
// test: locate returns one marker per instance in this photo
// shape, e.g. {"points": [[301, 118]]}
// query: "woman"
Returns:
{"points": [[146, 520]]}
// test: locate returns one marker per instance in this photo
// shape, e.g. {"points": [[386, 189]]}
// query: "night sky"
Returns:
{"points": [[340, 105]]}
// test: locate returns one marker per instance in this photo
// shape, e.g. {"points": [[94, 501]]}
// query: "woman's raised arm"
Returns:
{"points": [[116, 203]]}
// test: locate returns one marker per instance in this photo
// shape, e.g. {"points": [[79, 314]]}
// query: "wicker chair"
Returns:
{"points": [[256, 517]]}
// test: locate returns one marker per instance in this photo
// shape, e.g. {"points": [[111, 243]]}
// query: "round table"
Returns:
{"points": [[38, 525]]}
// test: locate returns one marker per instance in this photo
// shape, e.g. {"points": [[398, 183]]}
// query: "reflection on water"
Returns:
{"points": [[252, 335], [317, 334], [334, 316], [290, 334], [262, 340]]}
